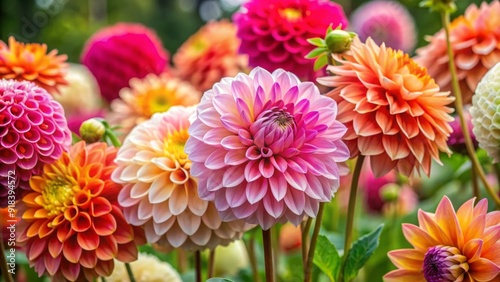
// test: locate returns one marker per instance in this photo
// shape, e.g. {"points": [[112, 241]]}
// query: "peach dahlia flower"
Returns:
{"points": [[72, 226], [450, 246], [393, 110], [160, 194], [31, 62], [475, 40], [147, 96]]}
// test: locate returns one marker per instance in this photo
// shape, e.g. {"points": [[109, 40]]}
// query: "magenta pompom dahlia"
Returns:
{"points": [[274, 33], [266, 147], [385, 21], [118, 53], [33, 132]]}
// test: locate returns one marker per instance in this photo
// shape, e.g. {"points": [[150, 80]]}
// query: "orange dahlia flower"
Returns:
{"points": [[147, 96], [475, 41], [209, 55], [72, 226], [449, 246], [393, 110], [31, 62]]}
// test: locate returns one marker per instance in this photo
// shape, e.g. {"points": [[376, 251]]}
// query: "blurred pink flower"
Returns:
{"points": [[456, 140], [120, 52], [385, 22], [266, 148], [372, 185], [159, 192], [274, 33], [33, 132]]}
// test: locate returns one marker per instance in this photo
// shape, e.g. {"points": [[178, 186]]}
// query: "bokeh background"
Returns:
{"points": [[67, 24]]}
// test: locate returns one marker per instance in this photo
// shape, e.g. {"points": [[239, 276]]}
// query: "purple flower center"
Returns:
{"points": [[443, 264]]}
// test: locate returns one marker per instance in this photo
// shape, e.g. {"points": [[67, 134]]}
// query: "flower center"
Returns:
{"points": [[442, 263], [283, 119], [291, 14], [155, 101], [174, 146], [58, 195]]}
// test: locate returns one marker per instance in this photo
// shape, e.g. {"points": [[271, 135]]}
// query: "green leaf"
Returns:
{"points": [[320, 62], [361, 251], [319, 42], [75, 138], [327, 258], [217, 279], [316, 52]]}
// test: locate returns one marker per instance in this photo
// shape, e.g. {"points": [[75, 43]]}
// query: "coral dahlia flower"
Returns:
{"points": [[385, 22], [209, 55], [486, 115], [449, 246], [474, 38], [266, 147], [31, 62], [33, 132], [152, 94], [72, 226], [120, 52], [274, 33], [160, 194], [393, 110]]}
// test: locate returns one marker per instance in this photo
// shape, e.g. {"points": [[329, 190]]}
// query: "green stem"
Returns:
{"points": [[496, 168], [305, 243], [350, 212], [103, 279], [475, 185], [129, 272], [445, 17], [268, 255], [253, 258], [110, 135], [197, 265], [3, 262], [211, 263], [312, 247]]}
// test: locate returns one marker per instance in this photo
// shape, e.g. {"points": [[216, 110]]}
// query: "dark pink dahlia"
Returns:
{"points": [[118, 53], [457, 140], [33, 132], [274, 33]]}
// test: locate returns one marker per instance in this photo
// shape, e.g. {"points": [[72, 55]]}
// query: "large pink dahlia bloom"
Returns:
{"points": [[33, 132], [266, 147], [159, 192], [274, 33]]}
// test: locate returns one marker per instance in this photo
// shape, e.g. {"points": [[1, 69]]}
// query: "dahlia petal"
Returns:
{"points": [[419, 239], [483, 270], [104, 225], [429, 225], [404, 275], [178, 201], [255, 191], [466, 61], [160, 190], [82, 222], [88, 241], [381, 165], [52, 264], [71, 250], [70, 270], [232, 142], [100, 206], [127, 252], [105, 268], [176, 237], [486, 46], [278, 186], [491, 236], [447, 219], [216, 159], [235, 157], [233, 197], [408, 125], [252, 172], [394, 148], [36, 249], [408, 259], [88, 259], [145, 210], [233, 176], [147, 173], [363, 126], [108, 248], [472, 250], [202, 236], [210, 117], [295, 201], [54, 246], [188, 222]]}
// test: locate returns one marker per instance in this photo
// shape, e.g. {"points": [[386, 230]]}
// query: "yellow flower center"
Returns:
{"points": [[155, 101], [291, 14], [58, 194], [404, 60], [174, 147]]}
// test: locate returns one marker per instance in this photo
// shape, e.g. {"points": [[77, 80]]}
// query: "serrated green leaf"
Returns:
{"points": [[360, 252], [320, 62], [318, 42], [316, 52], [327, 258], [218, 279]]}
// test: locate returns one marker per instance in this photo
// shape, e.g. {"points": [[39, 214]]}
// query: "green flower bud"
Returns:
{"points": [[389, 192], [339, 41], [92, 130]]}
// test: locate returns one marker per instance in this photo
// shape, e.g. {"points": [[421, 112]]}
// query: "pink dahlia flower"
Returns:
{"points": [[274, 33], [159, 191], [372, 185], [385, 22], [118, 53], [33, 132], [266, 147]]}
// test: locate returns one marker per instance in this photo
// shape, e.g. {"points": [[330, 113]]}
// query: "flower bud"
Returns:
{"points": [[339, 41], [92, 130], [389, 192]]}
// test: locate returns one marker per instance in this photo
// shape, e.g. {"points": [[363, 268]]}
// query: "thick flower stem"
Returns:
{"points": [[3, 262], [305, 243], [197, 265], [312, 245], [268, 255], [129, 272], [350, 212], [211, 263], [445, 17]]}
